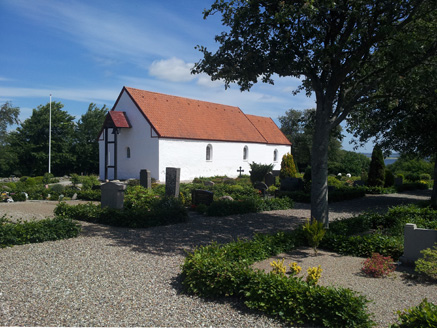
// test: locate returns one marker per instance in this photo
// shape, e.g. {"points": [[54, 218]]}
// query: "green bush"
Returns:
{"points": [[138, 196], [389, 178], [427, 265], [425, 177], [25, 232], [88, 194], [75, 179], [165, 211], [412, 186], [337, 195], [376, 176], [424, 316], [249, 205], [259, 171], [89, 181], [288, 168], [412, 177], [224, 270], [47, 178], [57, 188], [18, 197]]}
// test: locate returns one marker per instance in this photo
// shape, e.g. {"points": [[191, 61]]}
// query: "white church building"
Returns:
{"points": [[153, 131]]}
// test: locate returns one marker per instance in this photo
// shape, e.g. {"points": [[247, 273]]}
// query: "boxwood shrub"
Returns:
{"points": [[164, 211], [25, 232], [225, 270]]}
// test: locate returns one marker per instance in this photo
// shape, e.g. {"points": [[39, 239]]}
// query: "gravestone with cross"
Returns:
{"points": [[240, 171]]}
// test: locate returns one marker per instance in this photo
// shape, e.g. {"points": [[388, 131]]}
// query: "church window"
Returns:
{"points": [[209, 153], [275, 155], [128, 152], [245, 153]]}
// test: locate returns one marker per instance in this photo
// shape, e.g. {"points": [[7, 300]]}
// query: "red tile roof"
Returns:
{"points": [[119, 119], [183, 118]]}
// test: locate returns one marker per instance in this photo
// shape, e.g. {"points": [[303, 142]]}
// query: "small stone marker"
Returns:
{"points": [[172, 181], [74, 196], [199, 196], [261, 186], [113, 195], [240, 170], [146, 179], [270, 179]]}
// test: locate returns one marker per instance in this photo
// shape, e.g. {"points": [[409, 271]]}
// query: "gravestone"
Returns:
{"points": [[74, 196], [399, 181], [261, 186], [415, 241], [146, 179], [113, 195], [270, 179], [240, 170], [199, 196], [276, 173], [292, 184], [172, 181]]}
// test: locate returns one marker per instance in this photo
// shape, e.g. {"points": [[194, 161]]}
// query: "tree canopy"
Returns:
{"points": [[8, 116], [341, 50]]}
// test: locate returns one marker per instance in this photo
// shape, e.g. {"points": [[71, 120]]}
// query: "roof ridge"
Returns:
{"points": [[262, 135]]}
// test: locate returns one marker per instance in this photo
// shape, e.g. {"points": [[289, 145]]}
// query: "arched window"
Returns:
{"points": [[209, 153], [275, 155], [245, 153], [128, 152]]}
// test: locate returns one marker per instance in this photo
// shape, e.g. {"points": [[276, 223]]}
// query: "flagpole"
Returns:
{"points": [[50, 133]]}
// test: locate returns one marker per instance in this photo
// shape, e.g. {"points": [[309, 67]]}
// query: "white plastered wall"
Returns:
{"points": [[227, 157], [144, 151]]}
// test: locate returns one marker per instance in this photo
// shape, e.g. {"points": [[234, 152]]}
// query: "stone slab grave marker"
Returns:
{"points": [[113, 195], [270, 179], [416, 240], [261, 186], [172, 181], [199, 196], [146, 179]]}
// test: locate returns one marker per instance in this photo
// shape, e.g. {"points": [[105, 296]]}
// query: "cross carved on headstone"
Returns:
{"points": [[240, 170]]}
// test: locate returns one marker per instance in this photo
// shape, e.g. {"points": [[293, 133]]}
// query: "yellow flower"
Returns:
{"points": [[295, 269], [278, 267], [314, 275]]}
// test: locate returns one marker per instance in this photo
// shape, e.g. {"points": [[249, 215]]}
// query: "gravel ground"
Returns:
{"points": [[123, 277]]}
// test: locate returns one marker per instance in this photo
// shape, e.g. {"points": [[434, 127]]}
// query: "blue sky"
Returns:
{"points": [[86, 51]]}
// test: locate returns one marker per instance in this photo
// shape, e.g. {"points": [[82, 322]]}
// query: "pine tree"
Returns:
{"points": [[288, 169], [377, 168]]}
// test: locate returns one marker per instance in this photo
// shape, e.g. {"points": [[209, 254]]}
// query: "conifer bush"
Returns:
{"points": [[376, 176], [288, 168]]}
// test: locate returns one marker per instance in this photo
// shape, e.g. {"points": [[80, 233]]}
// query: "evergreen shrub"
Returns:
{"points": [[376, 177], [259, 171], [288, 168], [423, 315]]}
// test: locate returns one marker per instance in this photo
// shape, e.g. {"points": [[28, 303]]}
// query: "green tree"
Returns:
{"points": [[31, 141], [298, 126], [8, 116], [376, 176], [342, 50], [349, 162], [86, 147]]}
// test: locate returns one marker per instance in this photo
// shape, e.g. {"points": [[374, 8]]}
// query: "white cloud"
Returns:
{"points": [[173, 69]]}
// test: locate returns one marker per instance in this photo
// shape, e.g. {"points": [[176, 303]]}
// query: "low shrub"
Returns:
{"points": [[57, 188], [423, 315], [89, 194], [25, 232], [165, 211], [425, 177], [18, 197], [314, 232], [337, 195], [412, 186], [378, 266], [427, 265], [248, 205]]}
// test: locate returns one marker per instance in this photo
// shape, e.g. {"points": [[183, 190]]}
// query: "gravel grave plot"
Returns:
{"points": [[112, 276]]}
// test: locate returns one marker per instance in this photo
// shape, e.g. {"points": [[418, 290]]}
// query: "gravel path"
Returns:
{"points": [[123, 277]]}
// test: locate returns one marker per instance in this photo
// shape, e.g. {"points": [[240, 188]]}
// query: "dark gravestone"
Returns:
{"points": [[172, 181], [261, 186], [270, 179], [358, 183], [292, 184], [146, 179], [399, 181], [199, 196], [276, 173]]}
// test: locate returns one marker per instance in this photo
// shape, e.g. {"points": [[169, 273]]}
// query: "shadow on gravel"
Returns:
{"points": [[200, 230]]}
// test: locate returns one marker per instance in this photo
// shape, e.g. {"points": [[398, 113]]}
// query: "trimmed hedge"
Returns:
{"points": [[163, 211], [25, 232], [224, 270], [337, 195]]}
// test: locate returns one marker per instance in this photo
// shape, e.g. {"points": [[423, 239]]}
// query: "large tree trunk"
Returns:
{"points": [[319, 167], [434, 188]]}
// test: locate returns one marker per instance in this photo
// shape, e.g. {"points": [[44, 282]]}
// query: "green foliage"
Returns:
{"points": [[426, 266], [165, 211], [8, 116], [423, 315], [47, 178], [337, 195], [25, 232], [288, 169], [349, 162], [389, 179], [425, 177], [248, 205], [407, 164], [224, 270], [259, 171], [314, 232], [75, 179], [57, 188], [88, 181], [139, 197], [376, 176], [412, 186]]}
